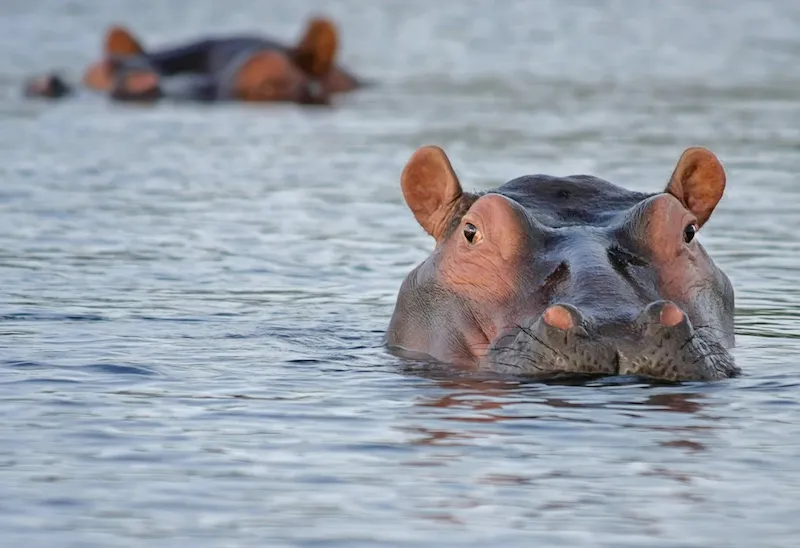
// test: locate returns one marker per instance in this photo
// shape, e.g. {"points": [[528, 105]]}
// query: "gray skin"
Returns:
{"points": [[629, 294]]}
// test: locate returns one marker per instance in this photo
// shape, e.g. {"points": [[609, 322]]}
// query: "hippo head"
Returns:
{"points": [[134, 79], [301, 74], [119, 43], [268, 75], [552, 276], [48, 86]]}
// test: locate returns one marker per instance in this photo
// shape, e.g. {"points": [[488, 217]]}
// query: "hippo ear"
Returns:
{"points": [[698, 182], [120, 41], [316, 50], [431, 189]]}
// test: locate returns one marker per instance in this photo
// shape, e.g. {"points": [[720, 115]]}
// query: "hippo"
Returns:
{"points": [[241, 68], [553, 277], [130, 84]]}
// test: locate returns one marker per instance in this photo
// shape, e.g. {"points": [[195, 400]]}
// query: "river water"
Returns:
{"points": [[192, 298]]}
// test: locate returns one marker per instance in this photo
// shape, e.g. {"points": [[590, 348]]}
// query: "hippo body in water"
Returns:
{"points": [[220, 58], [241, 68], [552, 276]]}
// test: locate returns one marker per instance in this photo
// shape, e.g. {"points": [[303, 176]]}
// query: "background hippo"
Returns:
{"points": [[567, 275], [242, 68]]}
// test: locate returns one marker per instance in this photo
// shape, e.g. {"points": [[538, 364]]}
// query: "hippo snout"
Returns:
{"points": [[660, 343]]}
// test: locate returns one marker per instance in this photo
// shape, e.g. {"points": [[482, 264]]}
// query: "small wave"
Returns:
{"points": [[112, 368], [120, 369]]}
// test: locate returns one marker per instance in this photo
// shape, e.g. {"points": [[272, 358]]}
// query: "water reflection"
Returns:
{"points": [[481, 394], [490, 401], [558, 443]]}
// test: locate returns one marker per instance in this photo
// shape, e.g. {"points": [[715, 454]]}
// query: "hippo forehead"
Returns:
{"points": [[576, 200], [132, 63]]}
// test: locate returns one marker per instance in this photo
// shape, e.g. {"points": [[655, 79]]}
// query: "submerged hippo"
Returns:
{"points": [[552, 276], [241, 68]]}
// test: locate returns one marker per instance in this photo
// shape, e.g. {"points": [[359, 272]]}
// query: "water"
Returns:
{"points": [[192, 299]]}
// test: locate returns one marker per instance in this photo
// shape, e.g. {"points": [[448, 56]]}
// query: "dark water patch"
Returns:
{"points": [[119, 369], [43, 381], [104, 368], [25, 364], [234, 336], [149, 318], [63, 503], [50, 317], [302, 361]]}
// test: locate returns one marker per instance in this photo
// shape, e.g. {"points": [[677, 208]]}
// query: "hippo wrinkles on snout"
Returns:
{"points": [[552, 276]]}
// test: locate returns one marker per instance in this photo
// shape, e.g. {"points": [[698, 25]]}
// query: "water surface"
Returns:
{"points": [[192, 299]]}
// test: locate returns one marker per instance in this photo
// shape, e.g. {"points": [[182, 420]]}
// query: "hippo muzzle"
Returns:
{"points": [[661, 343]]}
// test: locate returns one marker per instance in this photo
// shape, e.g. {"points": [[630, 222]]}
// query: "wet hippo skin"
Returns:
{"points": [[550, 276]]}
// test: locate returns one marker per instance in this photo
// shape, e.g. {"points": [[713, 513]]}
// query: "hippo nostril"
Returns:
{"points": [[559, 317], [670, 315], [664, 313], [562, 316]]}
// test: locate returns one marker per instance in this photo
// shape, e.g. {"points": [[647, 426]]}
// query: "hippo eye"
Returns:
{"points": [[689, 232], [470, 232]]}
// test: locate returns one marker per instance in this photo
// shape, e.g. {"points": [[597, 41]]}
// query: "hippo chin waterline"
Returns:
{"points": [[549, 276]]}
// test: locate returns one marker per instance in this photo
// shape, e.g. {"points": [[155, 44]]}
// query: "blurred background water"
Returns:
{"points": [[192, 298]]}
